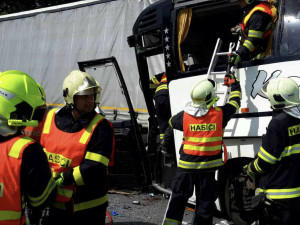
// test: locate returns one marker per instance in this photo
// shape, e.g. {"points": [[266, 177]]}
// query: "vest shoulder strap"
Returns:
{"points": [[18, 146]]}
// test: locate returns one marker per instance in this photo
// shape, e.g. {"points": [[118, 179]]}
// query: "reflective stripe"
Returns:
{"points": [[59, 205], [248, 44], [87, 133], [235, 104], [217, 108], [170, 122], [200, 165], [64, 192], [171, 222], [37, 201], [77, 176], [47, 125], [164, 86], [90, 204], [97, 158], [234, 94], [161, 136], [251, 12], [18, 146], [258, 169], [259, 56], [10, 215], [282, 193], [154, 80], [203, 139], [255, 33], [264, 155], [202, 148], [290, 150]]}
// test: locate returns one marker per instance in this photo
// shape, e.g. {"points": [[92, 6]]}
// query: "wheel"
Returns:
{"points": [[108, 219], [233, 197]]}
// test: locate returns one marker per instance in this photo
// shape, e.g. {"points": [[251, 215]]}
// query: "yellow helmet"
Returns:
{"points": [[80, 83], [203, 93], [282, 92], [20, 96]]}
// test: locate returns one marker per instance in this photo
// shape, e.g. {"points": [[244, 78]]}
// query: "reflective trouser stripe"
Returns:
{"points": [[10, 215], [282, 193], [200, 165], [90, 204], [171, 222]]}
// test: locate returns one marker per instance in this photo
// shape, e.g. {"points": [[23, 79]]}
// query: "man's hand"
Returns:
{"points": [[59, 182], [250, 182], [234, 59], [230, 79], [236, 30]]}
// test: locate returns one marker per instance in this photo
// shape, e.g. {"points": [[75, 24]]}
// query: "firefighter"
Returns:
{"points": [[78, 143], [256, 30], [25, 177], [162, 102], [201, 150], [278, 160]]}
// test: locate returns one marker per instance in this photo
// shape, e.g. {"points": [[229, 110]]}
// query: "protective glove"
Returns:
{"points": [[236, 30], [250, 182], [60, 180], [230, 79], [234, 59], [255, 202]]}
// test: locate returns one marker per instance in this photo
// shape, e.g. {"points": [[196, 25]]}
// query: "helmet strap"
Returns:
{"points": [[215, 99]]}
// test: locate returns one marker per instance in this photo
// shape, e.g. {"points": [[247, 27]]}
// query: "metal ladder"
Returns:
{"points": [[222, 91]]}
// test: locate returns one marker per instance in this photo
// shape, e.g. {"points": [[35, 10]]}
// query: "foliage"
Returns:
{"points": [[14, 6]]}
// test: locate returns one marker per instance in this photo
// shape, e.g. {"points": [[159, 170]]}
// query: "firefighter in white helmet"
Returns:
{"points": [[277, 164], [201, 150], [256, 30], [78, 142], [25, 177]]}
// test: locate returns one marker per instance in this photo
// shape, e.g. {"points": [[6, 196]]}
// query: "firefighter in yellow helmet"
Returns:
{"points": [[277, 164], [256, 30], [25, 177], [201, 150], [78, 143]]}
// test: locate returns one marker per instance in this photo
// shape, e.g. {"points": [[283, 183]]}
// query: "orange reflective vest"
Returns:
{"points": [[263, 7], [202, 136], [35, 132], [12, 204], [65, 150]]}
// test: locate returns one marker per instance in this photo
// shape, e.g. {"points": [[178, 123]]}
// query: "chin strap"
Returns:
{"points": [[213, 102]]}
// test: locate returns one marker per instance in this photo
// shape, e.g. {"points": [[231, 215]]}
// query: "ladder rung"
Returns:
{"points": [[223, 53]]}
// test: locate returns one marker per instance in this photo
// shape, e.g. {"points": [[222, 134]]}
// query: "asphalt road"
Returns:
{"points": [[139, 208], [127, 208]]}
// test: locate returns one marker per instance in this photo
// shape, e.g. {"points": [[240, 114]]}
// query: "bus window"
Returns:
{"points": [[205, 28], [290, 29]]}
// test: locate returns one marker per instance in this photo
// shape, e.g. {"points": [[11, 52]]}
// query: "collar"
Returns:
{"points": [[195, 111], [293, 111]]}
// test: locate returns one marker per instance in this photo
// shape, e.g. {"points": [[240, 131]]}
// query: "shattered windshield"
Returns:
{"points": [[290, 29]]}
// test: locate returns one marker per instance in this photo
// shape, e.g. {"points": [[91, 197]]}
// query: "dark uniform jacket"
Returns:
{"points": [[278, 160], [256, 27]]}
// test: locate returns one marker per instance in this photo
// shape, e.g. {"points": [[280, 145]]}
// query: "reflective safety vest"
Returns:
{"points": [[12, 204], [202, 136], [162, 85], [263, 7], [65, 151]]}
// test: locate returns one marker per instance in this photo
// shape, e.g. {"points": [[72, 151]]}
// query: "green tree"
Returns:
{"points": [[14, 6]]}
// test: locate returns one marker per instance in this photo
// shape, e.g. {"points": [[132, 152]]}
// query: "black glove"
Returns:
{"points": [[255, 202], [230, 79]]}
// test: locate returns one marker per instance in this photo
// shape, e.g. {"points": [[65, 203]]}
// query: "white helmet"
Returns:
{"points": [[282, 92], [203, 93], [80, 83]]}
